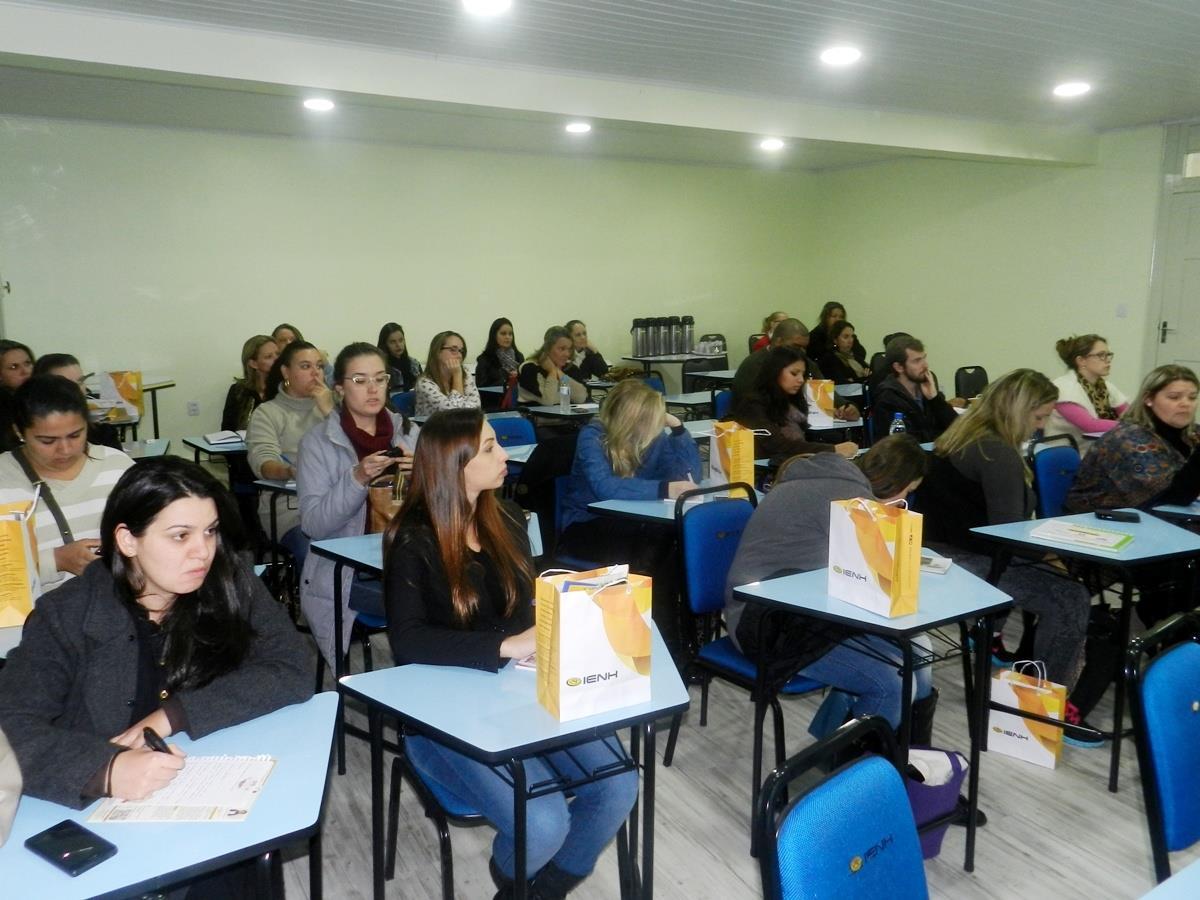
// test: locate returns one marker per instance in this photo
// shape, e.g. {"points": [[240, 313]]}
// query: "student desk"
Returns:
{"points": [[957, 597], [151, 856], [138, 450], [502, 414], [276, 489], [152, 384], [496, 719], [1154, 542], [1177, 513], [691, 401], [576, 412], [364, 553], [200, 445], [1183, 885]]}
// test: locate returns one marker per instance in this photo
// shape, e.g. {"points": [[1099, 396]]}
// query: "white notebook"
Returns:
{"points": [[207, 789], [225, 437]]}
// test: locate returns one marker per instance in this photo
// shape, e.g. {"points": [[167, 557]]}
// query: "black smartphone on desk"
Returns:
{"points": [[1118, 515], [71, 847]]}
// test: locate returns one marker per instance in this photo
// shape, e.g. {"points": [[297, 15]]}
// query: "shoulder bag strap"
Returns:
{"points": [[47, 497]]}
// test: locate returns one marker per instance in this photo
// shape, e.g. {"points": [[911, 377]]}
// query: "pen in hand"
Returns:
{"points": [[153, 741]]}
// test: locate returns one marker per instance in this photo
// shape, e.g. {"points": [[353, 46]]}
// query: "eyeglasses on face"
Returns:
{"points": [[377, 380], [453, 348], [1107, 357]]}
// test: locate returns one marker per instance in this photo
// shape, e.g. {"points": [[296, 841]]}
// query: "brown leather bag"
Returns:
{"points": [[384, 497]]}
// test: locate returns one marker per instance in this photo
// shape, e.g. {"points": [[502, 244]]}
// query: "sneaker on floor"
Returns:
{"points": [[1000, 655], [1073, 717]]}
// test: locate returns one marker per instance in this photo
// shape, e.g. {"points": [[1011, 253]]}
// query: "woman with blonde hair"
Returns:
{"points": [[976, 477], [627, 454], [1087, 403], [768, 329], [246, 393], [539, 377], [446, 383]]}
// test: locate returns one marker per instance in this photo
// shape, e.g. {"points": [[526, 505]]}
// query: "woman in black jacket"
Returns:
{"points": [[585, 356], [819, 340], [500, 358], [458, 584]]}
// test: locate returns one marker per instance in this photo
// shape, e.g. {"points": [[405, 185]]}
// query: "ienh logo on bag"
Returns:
{"points": [[838, 570], [592, 679], [857, 862], [1012, 734]]}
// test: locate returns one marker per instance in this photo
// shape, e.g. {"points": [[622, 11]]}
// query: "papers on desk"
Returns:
{"points": [[207, 789], [585, 407], [934, 564], [1081, 535], [226, 437]]}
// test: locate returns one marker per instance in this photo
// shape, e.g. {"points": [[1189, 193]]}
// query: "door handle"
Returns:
{"points": [[1163, 331]]}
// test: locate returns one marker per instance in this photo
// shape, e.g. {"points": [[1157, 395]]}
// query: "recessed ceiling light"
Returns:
{"points": [[1072, 89], [486, 7], [318, 104], [578, 127], [841, 56], [771, 145]]}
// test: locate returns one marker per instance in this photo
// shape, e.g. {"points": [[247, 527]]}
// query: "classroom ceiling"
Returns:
{"points": [[990, 59]]}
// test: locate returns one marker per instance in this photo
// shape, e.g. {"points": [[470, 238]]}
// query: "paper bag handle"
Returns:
{"points": [[1039, 667]]}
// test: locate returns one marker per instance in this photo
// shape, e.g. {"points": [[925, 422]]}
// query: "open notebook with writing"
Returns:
{"points": [[207, 789]]}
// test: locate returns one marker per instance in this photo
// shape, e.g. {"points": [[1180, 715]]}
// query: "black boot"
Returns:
{"points": [[553, 883], [921, 720], [502, 881]]}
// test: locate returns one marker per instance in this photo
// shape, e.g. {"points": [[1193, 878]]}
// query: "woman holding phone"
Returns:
{"points": [[362, 441], [458, 580]]}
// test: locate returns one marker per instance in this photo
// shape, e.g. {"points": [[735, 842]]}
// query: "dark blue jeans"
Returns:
{"points": [[571, 832]]}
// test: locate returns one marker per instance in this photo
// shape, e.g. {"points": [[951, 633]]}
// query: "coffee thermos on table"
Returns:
{"points": [[689, 334], [663, 336]]}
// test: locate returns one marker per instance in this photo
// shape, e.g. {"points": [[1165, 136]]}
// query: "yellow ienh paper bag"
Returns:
{"points": [[1016, 736], [593, 641], [19, 581], [875, 556], [731, 455], [820, 393]]}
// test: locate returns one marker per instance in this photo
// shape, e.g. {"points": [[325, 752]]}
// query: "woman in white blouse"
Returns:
{"points": [[446, 384], [1087, 403]]}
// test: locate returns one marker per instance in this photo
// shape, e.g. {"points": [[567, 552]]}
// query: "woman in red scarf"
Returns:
{"points": [[338, 460]]}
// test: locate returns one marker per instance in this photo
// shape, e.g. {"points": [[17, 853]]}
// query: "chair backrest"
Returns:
{"points": [[405, 402], [1165, 699], [709, 534], [513, 431], [969, 381], [852, 835], [655, 380], [1054, 469], [693, 370], [715, 337], [754, 339], [722, 403]]}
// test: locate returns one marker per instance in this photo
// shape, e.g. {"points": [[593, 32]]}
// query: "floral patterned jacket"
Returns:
{"points": [[1129, 466]]}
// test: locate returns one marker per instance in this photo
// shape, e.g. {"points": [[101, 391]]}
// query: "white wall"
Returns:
{"points": [[164, 249], [991, 263]]}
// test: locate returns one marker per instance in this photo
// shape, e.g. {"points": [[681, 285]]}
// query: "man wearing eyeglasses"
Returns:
{"points": [[1088, 405], [912, 391]]}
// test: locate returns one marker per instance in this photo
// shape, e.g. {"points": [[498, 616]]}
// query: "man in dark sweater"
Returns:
{"points": [[912, 391], [788, 333]]}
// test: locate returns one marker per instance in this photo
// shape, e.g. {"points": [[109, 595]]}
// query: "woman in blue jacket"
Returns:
{"points": [[627, 454]]}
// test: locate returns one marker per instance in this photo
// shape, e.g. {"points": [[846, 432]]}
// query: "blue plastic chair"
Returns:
{"points": [[513, 431], [404, 402], [1165, 702], [850, 836], [1054, 469], [656, 382], [722, 402], [709, 534]]}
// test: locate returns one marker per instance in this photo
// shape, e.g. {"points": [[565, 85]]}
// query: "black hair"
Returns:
{"points": [[403, 364], [490, 348], [45, 395], [7, 346], [48, 362], [826, 310], [896, 351], [207, 634], [894, 463], [835, 329], [353, 351], [275, 376], [766, 385]]}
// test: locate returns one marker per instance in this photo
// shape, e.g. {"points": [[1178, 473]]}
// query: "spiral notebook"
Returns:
{"points": [[207, 789]]}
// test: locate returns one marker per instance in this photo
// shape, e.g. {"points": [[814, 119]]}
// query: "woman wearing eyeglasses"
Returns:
{"points": [[338, 460], [446, 383], [1087, 403]]}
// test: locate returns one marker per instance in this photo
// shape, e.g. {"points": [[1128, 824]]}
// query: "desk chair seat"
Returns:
{"points": [[723, 657], [1165, 701], [850, 836], [722, 403]]}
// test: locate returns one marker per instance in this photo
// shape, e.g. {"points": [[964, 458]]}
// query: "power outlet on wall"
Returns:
{"points": [[193, 407]]}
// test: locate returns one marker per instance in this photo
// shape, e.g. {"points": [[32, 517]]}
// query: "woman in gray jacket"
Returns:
{"points": [[338, 460]]}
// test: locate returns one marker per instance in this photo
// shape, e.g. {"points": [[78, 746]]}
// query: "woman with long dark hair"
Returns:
{"points": [[778, 410], [500, 359], [820, 342], [360, 442], [840, 363], [167, 630], [458, 582], [75, 477], [16, 366], [401, 366]]}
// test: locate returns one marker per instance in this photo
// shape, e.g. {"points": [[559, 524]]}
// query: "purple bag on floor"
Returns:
{"points": [[931, 801]]}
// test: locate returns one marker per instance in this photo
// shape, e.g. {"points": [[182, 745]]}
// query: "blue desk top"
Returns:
{"points": [[146, 449], [692, 398], [1153, 539], [492, 389], [942, 599], [649, 510], [365, 551], [497, 717], [502, 414], [150, 856], [1183, 885], [577, 411], [520, 453], [1188, 513], [199, 443], [9, 638], [716, 374], [277, 487]]}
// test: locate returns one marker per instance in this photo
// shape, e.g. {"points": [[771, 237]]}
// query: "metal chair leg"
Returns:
{"points": [[447, 856]]}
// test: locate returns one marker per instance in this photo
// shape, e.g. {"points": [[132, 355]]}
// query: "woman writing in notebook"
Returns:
{"points": [[458, 582], [169, 630]]}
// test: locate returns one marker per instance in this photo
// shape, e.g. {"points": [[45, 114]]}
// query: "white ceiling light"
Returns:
{"points": [[771, 145], [841, 56], [578, 128], [1072, 89], [486, 7], [318, 104]]}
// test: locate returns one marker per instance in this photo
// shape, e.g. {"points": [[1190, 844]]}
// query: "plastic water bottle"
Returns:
{"points": [[564, 394], [897, 426]]}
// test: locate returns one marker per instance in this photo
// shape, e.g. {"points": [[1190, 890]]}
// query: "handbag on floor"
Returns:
{"points": [[934, 781], [1016, 736]]}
